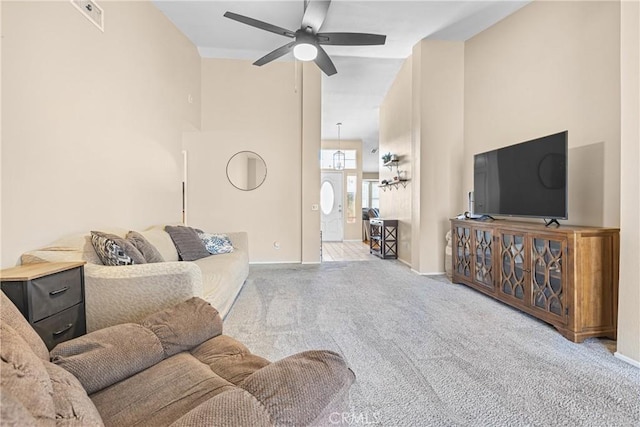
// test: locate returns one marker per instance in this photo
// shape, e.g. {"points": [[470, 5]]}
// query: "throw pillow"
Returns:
{"points": [[161, 240], [115, 250], [216, 243], [150, 253], [188, 244]]}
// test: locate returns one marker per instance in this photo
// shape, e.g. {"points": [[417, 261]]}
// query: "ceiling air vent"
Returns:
{"points": [[91, 11]]}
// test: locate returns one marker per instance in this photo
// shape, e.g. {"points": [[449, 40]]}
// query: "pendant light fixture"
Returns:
{"points": [[338, 156]]}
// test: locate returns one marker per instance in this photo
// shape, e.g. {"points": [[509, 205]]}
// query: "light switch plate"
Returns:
{"points": [[91, 11]]}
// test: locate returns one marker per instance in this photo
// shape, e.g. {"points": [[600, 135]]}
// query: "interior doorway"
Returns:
{"points": [[331, 209]]}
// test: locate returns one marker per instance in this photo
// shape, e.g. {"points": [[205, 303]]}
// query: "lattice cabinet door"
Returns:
{"points": [[483, 257], [513, 283], [548, 277], [462, 262]]}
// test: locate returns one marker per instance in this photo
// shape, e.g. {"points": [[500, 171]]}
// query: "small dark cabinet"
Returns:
{"points": [[50, 296], [383, 237]]}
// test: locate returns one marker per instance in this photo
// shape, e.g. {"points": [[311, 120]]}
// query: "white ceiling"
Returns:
{"points": [[354, 94]]}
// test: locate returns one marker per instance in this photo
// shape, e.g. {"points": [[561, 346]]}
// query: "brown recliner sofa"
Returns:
{"points": [[173, 368]]}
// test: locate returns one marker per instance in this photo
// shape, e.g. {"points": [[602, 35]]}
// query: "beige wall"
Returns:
{"points": [[311, 130], [438, 111], [628, 309], [421, 120], [395, 138], [549, 67], [92, 121], [258, 109], [352, 230], [554, 66]]}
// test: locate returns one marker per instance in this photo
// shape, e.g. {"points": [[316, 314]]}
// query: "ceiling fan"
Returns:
{"points": [[307, 41]]}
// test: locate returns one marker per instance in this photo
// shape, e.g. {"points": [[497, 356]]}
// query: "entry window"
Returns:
{"points": [[326, 159], [370, 194], [327, 197], [352, 187]]}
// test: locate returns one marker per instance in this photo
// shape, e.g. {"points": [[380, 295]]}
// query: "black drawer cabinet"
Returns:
{"points": [[51, 298]]}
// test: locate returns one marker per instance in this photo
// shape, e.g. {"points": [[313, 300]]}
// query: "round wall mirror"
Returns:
{"points": [[246, 170]]}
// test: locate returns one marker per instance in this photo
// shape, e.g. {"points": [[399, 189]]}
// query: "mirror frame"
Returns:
{"points": [[259, 157]]}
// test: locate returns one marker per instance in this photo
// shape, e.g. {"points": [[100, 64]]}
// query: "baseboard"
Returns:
{"points": [[311, 263], [273, 262], [629, 360], [428, 274], [408, 264]]}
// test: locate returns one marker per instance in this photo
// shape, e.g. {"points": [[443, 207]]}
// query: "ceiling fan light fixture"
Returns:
{"points": [[305, 52], [307, 40]]}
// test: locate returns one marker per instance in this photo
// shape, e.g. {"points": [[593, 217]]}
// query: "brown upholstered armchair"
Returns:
{"points": [[173, 368]]}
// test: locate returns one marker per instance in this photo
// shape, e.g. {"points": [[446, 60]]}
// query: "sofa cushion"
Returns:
{"points": [[184, 325], [108, 355], [13, 413], [149, 251], [229, 358], [11, 316], [72, 405], [296, 389], [115, 250], [216, 243], [75, 247], [222, 278], [37, 392], [23, 376], [232, 408], [161, 394], [188, 244]]}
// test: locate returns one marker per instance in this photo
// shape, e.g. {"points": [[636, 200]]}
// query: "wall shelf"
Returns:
{"points": [[394, 184], [397, 181], [391, 163]]}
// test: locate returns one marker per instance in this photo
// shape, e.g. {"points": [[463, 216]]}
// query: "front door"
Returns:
{"points": [[331, 206]]}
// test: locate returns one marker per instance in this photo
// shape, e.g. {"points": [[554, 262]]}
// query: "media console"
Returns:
{"points": [[566, 276]]}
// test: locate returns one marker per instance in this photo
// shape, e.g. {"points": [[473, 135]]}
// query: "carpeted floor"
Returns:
{"points": [[430, 353]]}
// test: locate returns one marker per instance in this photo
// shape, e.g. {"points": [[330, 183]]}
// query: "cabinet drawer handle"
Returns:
{"points": [[63, 330], [59, 291]]}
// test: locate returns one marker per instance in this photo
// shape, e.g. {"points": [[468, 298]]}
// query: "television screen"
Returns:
{"points": [[527, 179]]}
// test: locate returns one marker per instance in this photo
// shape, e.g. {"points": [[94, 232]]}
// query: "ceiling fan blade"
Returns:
{"points": [[259, 24], [324, 62], [315, 11], [351, 39], [282, 50]]}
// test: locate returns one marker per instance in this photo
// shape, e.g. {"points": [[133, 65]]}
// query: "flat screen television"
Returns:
{"points": [[528, 179]]}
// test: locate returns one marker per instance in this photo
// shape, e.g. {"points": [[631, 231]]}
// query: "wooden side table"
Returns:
{"points": [[50, 295], [383, 238]]}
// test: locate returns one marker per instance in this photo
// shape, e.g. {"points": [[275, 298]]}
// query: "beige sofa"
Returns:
{"points": [[173, 368], [121, 294]]}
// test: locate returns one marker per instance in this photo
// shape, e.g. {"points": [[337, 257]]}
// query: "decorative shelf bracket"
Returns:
{"points": [[394, 162], [391, 163], [393, 185]]}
